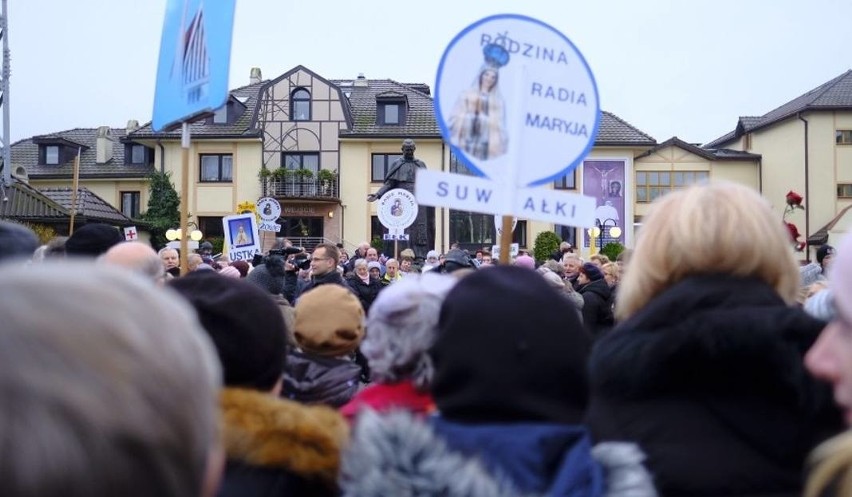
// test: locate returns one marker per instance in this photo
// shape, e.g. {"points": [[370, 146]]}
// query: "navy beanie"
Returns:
{"points": [[16, 240], [823, 251], [592, 271], [245, 324], [92, 240], [509, 348]]}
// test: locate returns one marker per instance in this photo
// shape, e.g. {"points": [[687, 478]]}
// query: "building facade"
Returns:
{"points": [[320, 146]]}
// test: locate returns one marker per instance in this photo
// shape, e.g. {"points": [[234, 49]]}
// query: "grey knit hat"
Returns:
{"points": [[262, 278]]}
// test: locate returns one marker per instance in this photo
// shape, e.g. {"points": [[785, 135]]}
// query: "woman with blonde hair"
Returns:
{"points": [[704, 369]]}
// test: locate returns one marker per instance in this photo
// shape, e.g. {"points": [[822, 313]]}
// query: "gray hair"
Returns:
{"points": [[402, 325], [109, 385], [359, 263], [821, 305]]}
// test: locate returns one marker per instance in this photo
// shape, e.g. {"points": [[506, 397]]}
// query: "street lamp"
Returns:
{"points": [[174, 236], [601, 229]]}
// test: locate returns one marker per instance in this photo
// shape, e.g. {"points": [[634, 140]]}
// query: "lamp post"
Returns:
{"points": [[175, 237], [600, 230]]}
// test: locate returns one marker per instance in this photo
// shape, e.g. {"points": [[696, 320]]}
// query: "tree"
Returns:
{"points": [[163, 211], [612, 249], [546, 243]]}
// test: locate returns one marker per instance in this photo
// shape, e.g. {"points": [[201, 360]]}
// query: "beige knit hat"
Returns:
{"points": [[329, 321]]}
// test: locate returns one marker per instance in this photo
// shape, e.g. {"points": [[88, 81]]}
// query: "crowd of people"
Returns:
{"points": [[698, 363]]}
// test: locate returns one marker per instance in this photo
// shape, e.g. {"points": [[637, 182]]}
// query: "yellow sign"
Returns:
{"points": [[246, 207]]}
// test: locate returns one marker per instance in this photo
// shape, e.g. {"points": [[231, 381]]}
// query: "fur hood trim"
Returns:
{"points": [[399, 454], [266, 431]]}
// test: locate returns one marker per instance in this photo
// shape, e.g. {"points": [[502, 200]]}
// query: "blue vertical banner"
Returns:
{"points": [[195, 57]]}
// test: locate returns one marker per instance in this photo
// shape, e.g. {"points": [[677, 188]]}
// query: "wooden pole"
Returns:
{"points": [[506, 240], [184, 199], [74, 185]]}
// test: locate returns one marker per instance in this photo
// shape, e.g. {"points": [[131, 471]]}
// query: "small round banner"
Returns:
{"points": [[397, 209], [268, 209], [514, 95]]}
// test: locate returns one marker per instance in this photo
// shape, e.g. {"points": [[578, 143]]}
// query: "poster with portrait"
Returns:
{"points": [[241, 236], [604, 180]]}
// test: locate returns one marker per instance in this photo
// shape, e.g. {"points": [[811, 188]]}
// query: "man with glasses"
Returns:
{"points": [[324, 267]]}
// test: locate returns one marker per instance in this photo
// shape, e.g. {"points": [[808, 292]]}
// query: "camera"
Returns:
{"points": [[286, 251], [301, 261]]}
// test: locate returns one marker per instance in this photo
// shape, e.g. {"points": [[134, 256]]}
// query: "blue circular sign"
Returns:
{"points": [[514, 96]]}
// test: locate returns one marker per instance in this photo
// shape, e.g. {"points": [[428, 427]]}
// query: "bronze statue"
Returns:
{"points": [[402, 174]]}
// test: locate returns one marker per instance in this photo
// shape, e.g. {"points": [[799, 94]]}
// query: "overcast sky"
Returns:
{"points": [[669, 67]]}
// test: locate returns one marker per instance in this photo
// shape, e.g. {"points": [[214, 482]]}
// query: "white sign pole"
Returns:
{"points": [[516, 156]]}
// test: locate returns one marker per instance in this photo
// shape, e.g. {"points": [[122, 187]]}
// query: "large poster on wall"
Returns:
{"points": [[604, 180]]}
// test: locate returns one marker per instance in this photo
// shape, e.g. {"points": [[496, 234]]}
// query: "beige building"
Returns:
{"points": [[320, 146], [805, 145]]}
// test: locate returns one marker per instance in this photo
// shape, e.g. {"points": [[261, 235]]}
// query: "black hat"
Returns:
{"points": [[457, 259], [245, 324], [92, 240], [823, 251], [16, 240], [509, 348]]}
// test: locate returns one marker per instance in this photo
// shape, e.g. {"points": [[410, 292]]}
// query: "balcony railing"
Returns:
{"points": [[299, 188]]}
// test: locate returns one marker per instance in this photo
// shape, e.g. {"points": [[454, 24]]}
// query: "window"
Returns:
{"points": [[51, 154], [216, 168], [459, 167], [844, 190], [843, 137], [472, 230], [300, 105], [130, 204], [567, 182], [381, 166], [652, 184], [211, 226], [296, 161], [390, 113], [137, 154], [221, 115]]}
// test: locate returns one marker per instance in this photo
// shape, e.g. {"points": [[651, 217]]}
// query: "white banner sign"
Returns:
{"points": [[241, 236], [470, 193]]}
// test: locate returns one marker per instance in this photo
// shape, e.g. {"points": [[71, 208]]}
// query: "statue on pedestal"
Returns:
{"points": [[402, 174]]}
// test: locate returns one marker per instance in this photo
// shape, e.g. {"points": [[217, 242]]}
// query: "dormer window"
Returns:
{"points": [[51, 154], [56, 150], [390, 112], [137, 154], [300, 105], [221, 115]]}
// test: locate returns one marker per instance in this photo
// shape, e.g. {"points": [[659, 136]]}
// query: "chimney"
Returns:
{"points": [[255, 76], [104, 144], [132, 125], [361, 81]]}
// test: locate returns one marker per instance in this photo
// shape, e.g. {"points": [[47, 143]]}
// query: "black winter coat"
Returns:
{"points": [[708, 378], [597, 307], [329, 278], [366, 293]]}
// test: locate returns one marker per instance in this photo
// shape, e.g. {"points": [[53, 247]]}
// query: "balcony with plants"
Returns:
{"points": [[299, 183]]}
